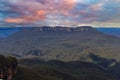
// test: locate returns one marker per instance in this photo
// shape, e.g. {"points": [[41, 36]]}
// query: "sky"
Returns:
{"points": [[26, 13]]}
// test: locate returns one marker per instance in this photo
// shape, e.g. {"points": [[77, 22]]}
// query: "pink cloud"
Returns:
{"points": [[39, 9], [61, 11]]}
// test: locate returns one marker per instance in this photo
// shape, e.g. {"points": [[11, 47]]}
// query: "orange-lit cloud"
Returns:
{"points": [[36, 15], [70, 3], [33, 18], [14, 20], [24, 19], [40, 12]]}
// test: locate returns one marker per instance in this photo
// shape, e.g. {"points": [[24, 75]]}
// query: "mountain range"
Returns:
{"points": [[60, 43]]}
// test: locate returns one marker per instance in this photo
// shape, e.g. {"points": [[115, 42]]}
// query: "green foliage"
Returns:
{"points": [[11, 60], [2, 60], [57, 70]]}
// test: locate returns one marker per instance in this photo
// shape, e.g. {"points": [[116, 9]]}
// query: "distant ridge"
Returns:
{"points": [[61, 29]]}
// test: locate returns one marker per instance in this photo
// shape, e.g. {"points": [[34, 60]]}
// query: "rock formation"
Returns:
{"points": [[8, 68]]}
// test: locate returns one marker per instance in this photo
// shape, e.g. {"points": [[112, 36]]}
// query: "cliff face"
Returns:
{"points": [[8, 68], [61, 29]]}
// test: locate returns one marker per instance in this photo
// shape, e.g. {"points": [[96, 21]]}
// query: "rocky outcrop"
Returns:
{"points": [[8, 68]]}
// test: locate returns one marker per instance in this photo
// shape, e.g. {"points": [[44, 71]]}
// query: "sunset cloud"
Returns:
{"points": [[59, 12], [14, 20]]}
